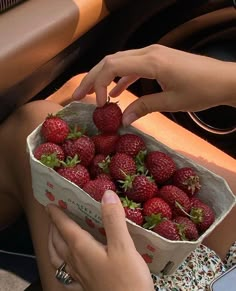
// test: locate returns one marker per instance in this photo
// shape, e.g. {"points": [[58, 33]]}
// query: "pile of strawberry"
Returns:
{"points": [[155, 193]]}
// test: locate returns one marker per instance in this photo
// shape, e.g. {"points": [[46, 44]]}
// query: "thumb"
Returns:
{"points": [[164, 101], [114, 222]]}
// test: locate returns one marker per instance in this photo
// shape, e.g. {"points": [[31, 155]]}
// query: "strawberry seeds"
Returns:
{"points": [[156, 194]]}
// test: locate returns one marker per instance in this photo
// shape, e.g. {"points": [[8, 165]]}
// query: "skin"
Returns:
{"points": [[16, 192], [97, 261], [60, 239], [189, 82], [99, 267]]}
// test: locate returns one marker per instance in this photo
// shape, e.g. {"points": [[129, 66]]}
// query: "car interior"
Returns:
{"points": [[46, 43]]}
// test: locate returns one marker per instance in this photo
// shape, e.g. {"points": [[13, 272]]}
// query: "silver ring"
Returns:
{"points": [[62, 276]]}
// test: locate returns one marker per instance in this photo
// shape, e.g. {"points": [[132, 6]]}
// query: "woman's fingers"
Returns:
{"points": [[123, 84], [161, 102], [87, 84], [73, 235], [55, 258], [123, 64], [118, 237]]}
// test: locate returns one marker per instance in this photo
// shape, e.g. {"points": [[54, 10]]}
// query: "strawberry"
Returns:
{"points": [[76, 131], [55, 129], [155, 206], [105, 143], [68, 147], [167, 229], [140, 162], [104, 176], [108, 118], [96, 188], [50, 154], [160, 165], [121, 165], [201, 214], [83, 147], [187, 229], [140, 188], [132, 210], [130, 144], [176, 198], [74, 172], [187, 180], [99, 165]]}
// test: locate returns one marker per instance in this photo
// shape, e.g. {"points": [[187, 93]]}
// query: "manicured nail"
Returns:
{"points": [[128, 119], [110, 197]]}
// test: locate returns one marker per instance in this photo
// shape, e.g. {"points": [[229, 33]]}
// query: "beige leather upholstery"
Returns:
{"points": [[198, 24], [37, 30]]}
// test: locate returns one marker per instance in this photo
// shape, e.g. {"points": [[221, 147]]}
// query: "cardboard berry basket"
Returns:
{"points": [[159, 253]]}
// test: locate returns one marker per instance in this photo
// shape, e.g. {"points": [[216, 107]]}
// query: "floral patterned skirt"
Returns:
{"points": [[197, 271]]}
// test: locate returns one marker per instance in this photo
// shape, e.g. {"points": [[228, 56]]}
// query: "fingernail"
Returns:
{"points": [[110, 197], [128, 119]]}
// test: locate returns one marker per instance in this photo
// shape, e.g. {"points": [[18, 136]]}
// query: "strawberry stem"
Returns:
{"points": [[153, 220], [50, 161], [196, 214]]}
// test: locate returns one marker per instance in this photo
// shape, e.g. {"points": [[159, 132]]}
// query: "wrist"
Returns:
{"points": [[230, 85]]}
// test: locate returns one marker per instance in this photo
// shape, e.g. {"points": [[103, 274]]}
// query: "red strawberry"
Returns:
{"points": [[104, 176], [108, 118], [160, 165], [121, 165], [130, 144], [54, 129], [176, 198], [201, 214], [50, 154], [96, 188], [132, 210], [68, 147], [99, 165], [75, 173], [187, 229], [157, 205], [167, 229], [187, 180], [83, 147], [105, 143], [140, 188]]}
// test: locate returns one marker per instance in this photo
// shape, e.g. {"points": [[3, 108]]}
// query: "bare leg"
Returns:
{"points": [[17, 183]]}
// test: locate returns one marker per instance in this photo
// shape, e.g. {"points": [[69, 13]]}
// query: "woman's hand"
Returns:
{"points": [[189, 82], [116, 266]]}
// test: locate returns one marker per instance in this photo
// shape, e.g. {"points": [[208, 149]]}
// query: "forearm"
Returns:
{"points": [[231, 84]]}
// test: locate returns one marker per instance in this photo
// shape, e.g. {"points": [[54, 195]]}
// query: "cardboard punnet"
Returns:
{"points": [[160, 253]]}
